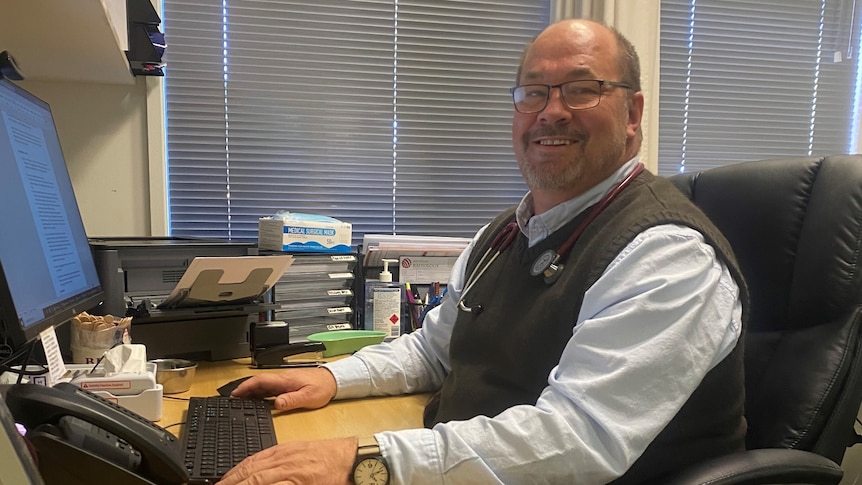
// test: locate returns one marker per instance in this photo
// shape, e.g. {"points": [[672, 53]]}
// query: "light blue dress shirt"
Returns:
{"points": [[663, 313]]}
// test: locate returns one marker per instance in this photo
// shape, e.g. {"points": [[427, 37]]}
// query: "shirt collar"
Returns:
{"points": [[538, 227]]}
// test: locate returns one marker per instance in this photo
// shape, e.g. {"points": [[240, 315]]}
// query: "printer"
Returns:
{"points": [[138, 273]]}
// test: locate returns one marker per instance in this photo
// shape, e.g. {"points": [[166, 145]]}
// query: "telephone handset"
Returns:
{"points": [[83, 438]]}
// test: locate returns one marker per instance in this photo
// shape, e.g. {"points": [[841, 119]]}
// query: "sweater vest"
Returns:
{"points": [[502, 356]]}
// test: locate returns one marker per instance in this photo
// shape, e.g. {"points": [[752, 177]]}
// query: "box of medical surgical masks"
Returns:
{"points": [[304, 233]]}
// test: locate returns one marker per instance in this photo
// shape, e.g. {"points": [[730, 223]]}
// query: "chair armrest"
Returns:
{"points": [[762, 466]]}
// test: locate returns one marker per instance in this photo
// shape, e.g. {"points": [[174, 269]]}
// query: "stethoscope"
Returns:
{"points": [[548, 263]]}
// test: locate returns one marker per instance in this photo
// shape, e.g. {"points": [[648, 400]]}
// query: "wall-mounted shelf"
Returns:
{"points": [[67, 40]]}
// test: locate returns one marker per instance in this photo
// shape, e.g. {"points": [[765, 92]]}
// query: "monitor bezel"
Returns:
{"points": [[13, 332]]}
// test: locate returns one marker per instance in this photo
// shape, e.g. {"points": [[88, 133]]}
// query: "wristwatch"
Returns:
{"points": [[370, 467]]}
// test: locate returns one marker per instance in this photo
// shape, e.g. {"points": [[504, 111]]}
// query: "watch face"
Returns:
{"points": [[371, 471]]}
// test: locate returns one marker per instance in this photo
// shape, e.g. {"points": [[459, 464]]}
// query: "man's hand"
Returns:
{"points": [[293, 389], [327, 462]]}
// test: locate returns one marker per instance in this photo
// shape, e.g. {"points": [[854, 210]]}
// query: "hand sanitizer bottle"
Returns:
{"points": [[383, 303]]}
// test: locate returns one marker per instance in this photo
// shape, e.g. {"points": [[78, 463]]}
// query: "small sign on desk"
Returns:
{"points": [[56, 366], [425, 269]]}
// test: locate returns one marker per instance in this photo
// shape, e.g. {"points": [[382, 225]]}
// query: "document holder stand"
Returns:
{"points": [[207, 290]]}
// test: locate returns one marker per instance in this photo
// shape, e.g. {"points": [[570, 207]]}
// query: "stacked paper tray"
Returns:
{"points": [[316, 294]]}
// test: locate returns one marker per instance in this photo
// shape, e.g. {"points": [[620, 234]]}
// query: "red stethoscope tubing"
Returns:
{"points": [[546, 263], [567, 246]]}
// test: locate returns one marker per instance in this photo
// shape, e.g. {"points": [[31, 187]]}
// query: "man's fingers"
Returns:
{"points": [[254, 464], [294, 389]]}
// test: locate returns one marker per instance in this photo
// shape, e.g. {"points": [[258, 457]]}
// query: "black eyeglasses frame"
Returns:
{"points": [[602, 83]]}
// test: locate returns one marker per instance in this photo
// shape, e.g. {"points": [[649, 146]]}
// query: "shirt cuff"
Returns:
{"points": [[352, 378], [412, 456]]}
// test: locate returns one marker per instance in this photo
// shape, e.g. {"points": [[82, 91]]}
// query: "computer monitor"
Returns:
{"points": [[47, 274]]}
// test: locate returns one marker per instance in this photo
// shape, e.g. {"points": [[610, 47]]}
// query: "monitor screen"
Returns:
{"points": [[47, 274]]}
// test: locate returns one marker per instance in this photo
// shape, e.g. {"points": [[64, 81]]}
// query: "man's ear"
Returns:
{"points": [[636, 112]]}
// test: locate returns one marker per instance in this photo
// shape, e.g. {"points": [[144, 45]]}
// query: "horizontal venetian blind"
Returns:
{"points": [[456, 62], [393, 116], [749, 80]]}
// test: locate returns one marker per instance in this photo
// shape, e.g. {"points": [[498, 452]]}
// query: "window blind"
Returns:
{"points": [[749, 80], [392, 115]]}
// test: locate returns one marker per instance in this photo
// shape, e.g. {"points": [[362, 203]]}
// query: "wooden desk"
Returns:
{"points": [[358, 417]]}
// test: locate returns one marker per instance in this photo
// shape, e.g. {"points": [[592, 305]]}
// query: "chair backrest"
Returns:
{"points": [[795, 225]]}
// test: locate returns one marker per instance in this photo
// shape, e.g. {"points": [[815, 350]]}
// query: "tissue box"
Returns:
{"points": [[304, 234]]}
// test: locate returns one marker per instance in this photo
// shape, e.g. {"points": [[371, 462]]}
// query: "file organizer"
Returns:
{"points": [[315, 294]]}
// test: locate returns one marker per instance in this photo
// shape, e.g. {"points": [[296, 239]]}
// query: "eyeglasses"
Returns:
{"points": [[580, 94]]}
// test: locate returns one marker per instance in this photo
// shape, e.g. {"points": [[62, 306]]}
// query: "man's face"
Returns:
{"points": [[560, 149]]}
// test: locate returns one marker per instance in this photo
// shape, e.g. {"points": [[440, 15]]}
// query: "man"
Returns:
{"points": [[625, 364]]}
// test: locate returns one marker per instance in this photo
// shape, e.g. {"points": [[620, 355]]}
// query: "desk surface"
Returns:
{"points": [[357, 417]]}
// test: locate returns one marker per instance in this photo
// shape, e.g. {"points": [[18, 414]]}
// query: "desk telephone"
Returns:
{"points": [[82, 438]]}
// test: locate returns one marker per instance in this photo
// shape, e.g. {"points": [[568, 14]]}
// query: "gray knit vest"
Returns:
{"points": [[502, 356]]}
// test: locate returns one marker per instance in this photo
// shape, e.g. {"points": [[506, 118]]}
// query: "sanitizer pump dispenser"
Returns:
{"points": [[383, 303]]}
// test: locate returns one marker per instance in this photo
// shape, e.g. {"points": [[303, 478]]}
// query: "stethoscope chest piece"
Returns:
{"points": [[543, 262], [547, 265]]}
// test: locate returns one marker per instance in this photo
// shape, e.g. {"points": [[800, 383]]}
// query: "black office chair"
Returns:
{"points": [[796, 227]]}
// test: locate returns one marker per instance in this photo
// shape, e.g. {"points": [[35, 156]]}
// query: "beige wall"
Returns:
{"points": [[103, 132]]}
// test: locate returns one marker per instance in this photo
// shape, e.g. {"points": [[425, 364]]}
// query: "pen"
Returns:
{"points": [[409, 293], [410, 304]]}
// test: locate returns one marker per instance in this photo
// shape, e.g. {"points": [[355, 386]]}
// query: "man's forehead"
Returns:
{"points": [[571, 60]]}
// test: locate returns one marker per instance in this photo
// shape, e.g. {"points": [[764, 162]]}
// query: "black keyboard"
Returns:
{"points": [[221, 431]]}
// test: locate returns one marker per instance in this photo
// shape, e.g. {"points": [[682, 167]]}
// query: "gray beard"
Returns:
{"points": [[571, 174], [544, 181]]}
